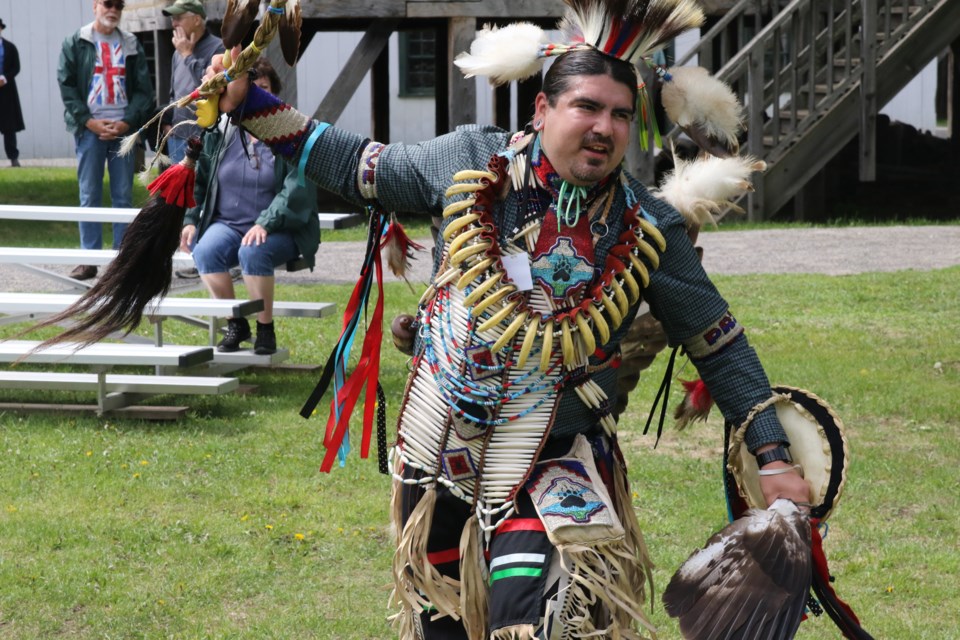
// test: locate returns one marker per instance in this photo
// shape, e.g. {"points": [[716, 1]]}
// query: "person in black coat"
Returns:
{"points": [[11, 116]]}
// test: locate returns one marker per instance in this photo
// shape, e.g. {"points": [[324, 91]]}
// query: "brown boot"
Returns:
{"points": [[84, 272]]}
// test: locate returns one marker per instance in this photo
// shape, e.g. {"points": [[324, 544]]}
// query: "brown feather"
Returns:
{"points": [[749, 581], [237, 20], [290, 25]]}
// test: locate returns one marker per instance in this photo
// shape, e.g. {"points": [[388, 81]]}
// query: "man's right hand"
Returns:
{"points": [[186, 237], [235, 93]]}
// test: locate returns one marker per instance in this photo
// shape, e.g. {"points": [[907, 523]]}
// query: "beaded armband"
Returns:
{"points": [[268, 118]]}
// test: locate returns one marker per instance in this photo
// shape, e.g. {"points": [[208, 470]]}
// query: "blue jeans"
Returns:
{"points": [[219, 249], [176, 149], [92, 154]]}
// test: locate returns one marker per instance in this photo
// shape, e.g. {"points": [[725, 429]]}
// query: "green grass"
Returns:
{"points": [[220, 526]]}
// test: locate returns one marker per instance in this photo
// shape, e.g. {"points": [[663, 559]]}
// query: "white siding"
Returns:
{"points": [[916, 103], [38, 28]]}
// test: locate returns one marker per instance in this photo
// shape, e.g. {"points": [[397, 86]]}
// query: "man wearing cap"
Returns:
{"points": [[11, 117], [106, 89], [195, 46]]}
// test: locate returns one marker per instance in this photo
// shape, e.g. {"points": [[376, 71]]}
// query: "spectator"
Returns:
{"points": [[195, 46], [11, 117], [106, 89], [260, 219]]}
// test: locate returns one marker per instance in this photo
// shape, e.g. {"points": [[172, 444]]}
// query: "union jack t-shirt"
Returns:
{"points": [[107, 98]]}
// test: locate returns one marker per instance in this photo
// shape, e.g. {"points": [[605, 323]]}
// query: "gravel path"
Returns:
{"points": [[831, 251]]}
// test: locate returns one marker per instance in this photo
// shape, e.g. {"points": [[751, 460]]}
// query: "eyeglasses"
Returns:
{"points": [[113, 4]]}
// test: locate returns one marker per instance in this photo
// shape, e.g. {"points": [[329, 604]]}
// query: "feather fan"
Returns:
{"points": [[504, 54], [705, 108], [749, 581], [629, 29], [703, 189]]}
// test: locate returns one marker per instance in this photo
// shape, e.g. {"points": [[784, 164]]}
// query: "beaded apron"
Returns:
{"points": [[495, 359]]}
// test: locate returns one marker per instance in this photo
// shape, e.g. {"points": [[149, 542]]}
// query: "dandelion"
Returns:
{"points": [[11, 508], [136, 475], [299, 536], [269, 527], [89, 453], [144, 463], [244, 517], [890, 588]]}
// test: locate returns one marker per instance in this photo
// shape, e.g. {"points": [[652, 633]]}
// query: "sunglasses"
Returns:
{"points": [[113, 4]]}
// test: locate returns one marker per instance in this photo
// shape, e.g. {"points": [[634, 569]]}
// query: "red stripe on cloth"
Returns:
{"points": [[520, 524], [443, 557]]}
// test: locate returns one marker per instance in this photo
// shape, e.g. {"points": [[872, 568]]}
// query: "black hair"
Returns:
{"points": [[589, 62]]}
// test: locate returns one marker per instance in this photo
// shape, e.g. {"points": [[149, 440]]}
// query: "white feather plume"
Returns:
{"points": [[702, 190], [504, 54], [693, 97]]}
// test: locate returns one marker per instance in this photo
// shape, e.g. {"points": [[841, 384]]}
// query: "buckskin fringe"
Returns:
{"points": [[474, 597], [412, 571], [516, 632]]}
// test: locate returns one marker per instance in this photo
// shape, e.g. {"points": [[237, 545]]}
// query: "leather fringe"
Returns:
{"points": [[474, 595], [412, 571]]}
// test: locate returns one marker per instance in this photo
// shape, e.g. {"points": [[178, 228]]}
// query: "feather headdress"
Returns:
{"points": [[629, 30]]}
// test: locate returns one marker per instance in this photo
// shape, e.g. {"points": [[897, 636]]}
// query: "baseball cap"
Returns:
{"points": [[182, 6]]}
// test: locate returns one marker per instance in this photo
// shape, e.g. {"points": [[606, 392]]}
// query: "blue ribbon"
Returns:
{"points": [[302, 165]]}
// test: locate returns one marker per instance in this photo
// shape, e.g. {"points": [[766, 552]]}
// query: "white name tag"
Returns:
{"points": [[517, 266]]}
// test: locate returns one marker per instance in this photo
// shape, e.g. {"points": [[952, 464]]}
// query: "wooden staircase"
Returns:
{"points": [[813, 74]]}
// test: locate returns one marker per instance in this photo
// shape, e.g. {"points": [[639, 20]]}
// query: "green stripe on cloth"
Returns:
{"points": [[530, 572]]}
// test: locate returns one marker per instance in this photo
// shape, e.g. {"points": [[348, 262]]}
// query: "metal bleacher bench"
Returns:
{"points": [[20, 306], [328, 221], [113, 391]]}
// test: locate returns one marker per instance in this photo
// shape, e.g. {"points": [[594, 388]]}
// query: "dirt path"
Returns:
{"points": [[832, 251]]}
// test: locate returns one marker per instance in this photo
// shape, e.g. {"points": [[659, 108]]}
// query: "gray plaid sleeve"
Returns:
{"points": [[689, 306]]}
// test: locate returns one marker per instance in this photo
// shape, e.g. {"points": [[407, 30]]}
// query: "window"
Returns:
{"points": [[417, 63]]}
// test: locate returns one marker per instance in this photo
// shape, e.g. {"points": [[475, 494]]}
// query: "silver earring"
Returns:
{"points": [[537, 125]]}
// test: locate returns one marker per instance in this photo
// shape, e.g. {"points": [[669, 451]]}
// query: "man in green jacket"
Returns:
{"points": [[107, 91]]}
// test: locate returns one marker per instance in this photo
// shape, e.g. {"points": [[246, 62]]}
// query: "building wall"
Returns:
{"points": [[37, 28]]}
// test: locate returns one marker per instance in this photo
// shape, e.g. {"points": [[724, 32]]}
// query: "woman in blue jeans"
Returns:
{"points": [[263, 220]]}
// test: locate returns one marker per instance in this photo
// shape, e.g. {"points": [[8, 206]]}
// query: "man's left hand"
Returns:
{"points": [[789, 485]]}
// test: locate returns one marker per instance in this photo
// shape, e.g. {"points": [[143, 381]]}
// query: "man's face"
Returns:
{"points": [[106, 13], [188, 21], [585, 133]]}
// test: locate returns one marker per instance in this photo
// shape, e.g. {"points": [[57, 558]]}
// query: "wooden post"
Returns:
{"points": [[501, 106], [462, 91], [953, 98], [755, 83], [441, 80], [361, 61], [380, 97], [868, 94], [527, 91]]}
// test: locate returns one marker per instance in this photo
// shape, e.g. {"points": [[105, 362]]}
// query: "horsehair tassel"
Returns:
{"points": [[141, 271]]}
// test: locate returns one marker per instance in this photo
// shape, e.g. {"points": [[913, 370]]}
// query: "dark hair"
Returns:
{"points": [[589, 62], [263, 68]]}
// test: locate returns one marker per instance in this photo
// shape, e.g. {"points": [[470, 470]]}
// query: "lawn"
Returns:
{"points": [[221, 526]]}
